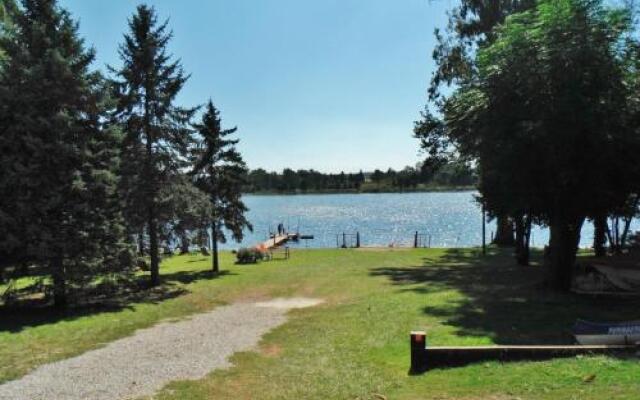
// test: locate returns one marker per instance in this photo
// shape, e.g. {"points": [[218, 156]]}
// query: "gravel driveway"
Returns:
{"points": [[142, 364]]}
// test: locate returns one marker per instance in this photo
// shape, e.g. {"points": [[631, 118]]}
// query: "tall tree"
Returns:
{"points": [[220, 172], [157, 131], [471, 26], [552, 147], [5, 24], [57, 186]]}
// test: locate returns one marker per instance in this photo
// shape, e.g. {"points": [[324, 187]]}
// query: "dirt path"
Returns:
{"points": [[142, 364]]}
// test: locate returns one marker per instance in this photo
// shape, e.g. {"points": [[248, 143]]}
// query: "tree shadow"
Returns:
{"points": [[194, 260], [186, 277], [39, 311], [502, 300]]}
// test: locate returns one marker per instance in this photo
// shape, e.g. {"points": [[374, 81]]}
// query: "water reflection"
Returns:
{"points": [[451, 219]]}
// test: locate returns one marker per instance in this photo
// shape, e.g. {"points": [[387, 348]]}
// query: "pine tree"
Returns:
{"points": [[5, 24], [57, 194], [157, 134], [220, 172], [188, 210]]}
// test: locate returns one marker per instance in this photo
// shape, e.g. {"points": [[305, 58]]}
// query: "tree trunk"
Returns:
{"points": [[58, 275], [600, 236], [151, 197], [523, 235], [627, 222], [561, 255], [153, 247], [214, 247], [184, 243], [504, 232], [141, 244]]}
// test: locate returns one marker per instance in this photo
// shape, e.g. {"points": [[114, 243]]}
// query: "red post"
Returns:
{"points": [[418, 346]]}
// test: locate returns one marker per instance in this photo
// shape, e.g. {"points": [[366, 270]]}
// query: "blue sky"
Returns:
{"points": [[326, 84]]}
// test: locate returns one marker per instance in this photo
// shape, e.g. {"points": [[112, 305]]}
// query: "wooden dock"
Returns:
{"points": [[278, 240]]}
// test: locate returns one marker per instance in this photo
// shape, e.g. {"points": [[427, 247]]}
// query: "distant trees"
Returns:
{"points": [[377, 176], [58, 203], [220, 173], [552, 147], [455, 174], [157, 134]]}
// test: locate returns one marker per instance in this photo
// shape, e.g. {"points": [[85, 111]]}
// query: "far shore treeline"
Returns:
{"points": [[100, 172], [455, 175]]}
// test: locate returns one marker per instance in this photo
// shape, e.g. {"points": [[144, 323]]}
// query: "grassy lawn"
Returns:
{"points": [[355, 345]]}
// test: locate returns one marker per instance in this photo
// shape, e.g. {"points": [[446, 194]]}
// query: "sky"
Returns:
{"points": [[333, 85]]}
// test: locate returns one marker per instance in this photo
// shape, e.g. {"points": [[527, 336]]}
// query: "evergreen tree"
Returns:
{"points": [[57, 195], [157, 133], [220, 172], [188, 209], [6, 7]]}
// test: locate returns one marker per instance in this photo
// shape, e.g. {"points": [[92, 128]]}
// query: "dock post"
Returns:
{"points": [[418, 346], [415, 240], [429, 241], [344, 240], [358, 239]]}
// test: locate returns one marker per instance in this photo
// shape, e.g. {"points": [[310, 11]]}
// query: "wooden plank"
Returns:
{"points": [[525, 347], [275, 242], [425, 357]]}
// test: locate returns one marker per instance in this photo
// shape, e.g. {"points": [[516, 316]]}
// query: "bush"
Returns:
{"points": [[248, 256]]}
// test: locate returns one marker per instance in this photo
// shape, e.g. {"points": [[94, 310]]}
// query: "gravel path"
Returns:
{"points": [[142, 364]]}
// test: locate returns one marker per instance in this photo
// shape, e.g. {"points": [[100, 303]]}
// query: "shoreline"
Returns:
{"points": [[437, 189]]}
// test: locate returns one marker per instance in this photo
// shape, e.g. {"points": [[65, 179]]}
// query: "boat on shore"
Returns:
{"points": [[603, 333]]}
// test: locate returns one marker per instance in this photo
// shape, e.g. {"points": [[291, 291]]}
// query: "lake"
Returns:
{"points": [[447, 219]]}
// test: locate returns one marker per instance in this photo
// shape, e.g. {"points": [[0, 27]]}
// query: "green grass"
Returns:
{"points": [[355, 345]]}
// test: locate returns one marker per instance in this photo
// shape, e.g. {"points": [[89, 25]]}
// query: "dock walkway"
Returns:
{"points": [[279, 240]]}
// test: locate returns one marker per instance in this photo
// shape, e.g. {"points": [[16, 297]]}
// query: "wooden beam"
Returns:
{"points": [[424, 357]]}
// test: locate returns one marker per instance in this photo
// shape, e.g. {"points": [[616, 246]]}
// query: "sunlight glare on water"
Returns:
{"points": [[451, 219]]}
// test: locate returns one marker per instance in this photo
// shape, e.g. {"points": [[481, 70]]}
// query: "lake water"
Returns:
{"points": [[447, 219]]}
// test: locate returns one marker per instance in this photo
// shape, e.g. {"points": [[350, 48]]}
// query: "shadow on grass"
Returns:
{"points": [[502, 300], [36, 312], [198, 260]]}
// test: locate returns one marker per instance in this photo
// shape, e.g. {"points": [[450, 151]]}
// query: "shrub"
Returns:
{"points": [[248, 256]]}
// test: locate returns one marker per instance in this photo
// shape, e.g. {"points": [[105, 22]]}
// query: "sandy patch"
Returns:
{"points": [[289, 303]]}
